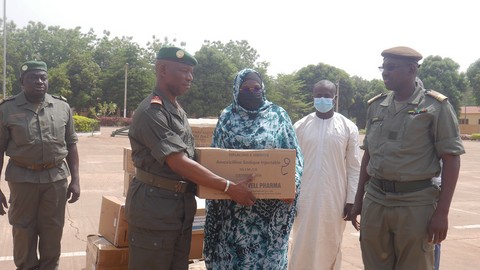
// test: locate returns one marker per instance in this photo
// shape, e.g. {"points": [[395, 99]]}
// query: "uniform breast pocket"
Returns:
{"points": [[58, 124], [24, 130], [418, 127], [374, 131]]}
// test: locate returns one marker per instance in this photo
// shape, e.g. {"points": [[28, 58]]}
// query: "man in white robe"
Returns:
{"points": [[329, 142]]}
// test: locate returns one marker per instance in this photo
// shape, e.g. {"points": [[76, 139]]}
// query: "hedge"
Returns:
{"points": [[85, 124]]}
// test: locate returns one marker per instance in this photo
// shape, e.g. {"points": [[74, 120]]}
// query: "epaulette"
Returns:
{"points": [[156, 100], [436, 95], [3, 100], [376, 97], [60, 97]]}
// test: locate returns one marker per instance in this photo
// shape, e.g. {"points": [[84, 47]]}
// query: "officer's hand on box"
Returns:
{"points": [[240, 193]]}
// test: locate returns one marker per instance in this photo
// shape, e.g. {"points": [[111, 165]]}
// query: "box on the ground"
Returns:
{"points": [[196, 247], [113, 225], [127, 160], [103, 255], [202, 129], [274, 171], [127, 179]]}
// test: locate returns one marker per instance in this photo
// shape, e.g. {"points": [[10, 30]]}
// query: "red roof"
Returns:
{"points": [[470, 109]]}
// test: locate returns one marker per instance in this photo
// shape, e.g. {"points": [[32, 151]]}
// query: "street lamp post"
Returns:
{"points": [[125, 94]]}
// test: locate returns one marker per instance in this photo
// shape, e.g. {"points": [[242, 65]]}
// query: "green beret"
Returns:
{"points": [[177, 55], [33, 65], [402, 53]]}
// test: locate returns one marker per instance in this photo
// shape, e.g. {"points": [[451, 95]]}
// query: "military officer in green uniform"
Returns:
{"points": [[160, 204], [37, 133], [409, 131]]}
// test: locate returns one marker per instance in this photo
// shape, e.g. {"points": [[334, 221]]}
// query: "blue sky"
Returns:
{"points": [[347, 34]]}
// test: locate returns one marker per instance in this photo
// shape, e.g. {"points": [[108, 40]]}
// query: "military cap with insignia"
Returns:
{"points": [[32, 65], [402, 52], [176, 54]]}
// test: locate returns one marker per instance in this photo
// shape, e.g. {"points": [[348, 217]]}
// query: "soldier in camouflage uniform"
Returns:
{"points": [[409, 131], [37, 133]]}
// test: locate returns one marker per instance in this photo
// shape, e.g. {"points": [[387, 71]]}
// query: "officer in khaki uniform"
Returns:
{"points": [[160, 204], [409, 130], [37, 133]]}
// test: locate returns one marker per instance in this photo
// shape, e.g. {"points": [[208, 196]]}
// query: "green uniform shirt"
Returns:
{"points": [[159, 129], [406, 144], [36, 138]]}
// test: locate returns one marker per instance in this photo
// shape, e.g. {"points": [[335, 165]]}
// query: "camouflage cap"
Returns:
{"points": [[402, 52], [177, 55]]}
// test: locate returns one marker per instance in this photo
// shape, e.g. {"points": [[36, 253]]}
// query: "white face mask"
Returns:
{"points": [[322, 104]]}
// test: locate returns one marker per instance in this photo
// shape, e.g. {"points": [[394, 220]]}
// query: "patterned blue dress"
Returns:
{"points": [[255, 237]]}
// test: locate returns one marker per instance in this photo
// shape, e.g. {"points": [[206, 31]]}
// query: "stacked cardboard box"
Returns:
{"points": [[109, 250], [196, 248], [103, 255], [113, 225], [202, 129], [128, 169]]}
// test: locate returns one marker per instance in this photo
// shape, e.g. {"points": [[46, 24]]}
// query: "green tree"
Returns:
{"points": [[311, 74], [82, 72], [473, 75], [217, 66], [212, 84], [364, 90], [442, 75], [53, 45], [154, 46], [240, 53], [122, 59], [286, 92]]}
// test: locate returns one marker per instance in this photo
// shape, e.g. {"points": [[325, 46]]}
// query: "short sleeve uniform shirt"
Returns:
{"points": [[405, 144]]}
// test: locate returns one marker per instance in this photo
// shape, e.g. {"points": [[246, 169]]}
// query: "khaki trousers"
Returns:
{"points": [[393, 231]]}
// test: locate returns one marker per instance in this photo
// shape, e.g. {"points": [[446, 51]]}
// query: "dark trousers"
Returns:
{"points": [[37, 215], [158, 250], [159, 227]]}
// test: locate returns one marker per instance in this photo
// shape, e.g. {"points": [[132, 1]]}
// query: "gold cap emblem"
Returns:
{"points": [[180, 54], [24, 67]]}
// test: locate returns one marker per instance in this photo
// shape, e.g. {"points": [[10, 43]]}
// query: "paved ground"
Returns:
{"points": [[101, 172]]}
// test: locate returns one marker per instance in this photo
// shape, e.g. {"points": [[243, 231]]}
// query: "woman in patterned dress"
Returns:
{"points": [[254, 237]]}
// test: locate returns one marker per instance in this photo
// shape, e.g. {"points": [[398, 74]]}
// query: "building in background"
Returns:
{"points": [[469, 119]]}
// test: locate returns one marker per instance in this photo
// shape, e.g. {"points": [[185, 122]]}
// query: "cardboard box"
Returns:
{"points": [[274, 171], [196, 247], [113, 225], [202, 129], [127, 179], [199, 220], [102, 255], [127, 160]]}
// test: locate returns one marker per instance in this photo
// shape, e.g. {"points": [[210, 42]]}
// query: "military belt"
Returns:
{"points": [[36, 167], [396, 186], [163, 182]]}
